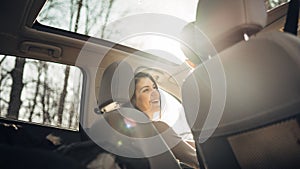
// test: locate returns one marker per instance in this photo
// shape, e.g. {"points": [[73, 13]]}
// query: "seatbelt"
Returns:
{"points": [[291, 24]]}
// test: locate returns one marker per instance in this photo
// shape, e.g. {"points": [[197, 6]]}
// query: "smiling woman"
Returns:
{"points": [[145, 97]]}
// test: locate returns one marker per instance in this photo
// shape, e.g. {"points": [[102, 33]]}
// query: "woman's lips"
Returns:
{"points": [[155, 101]]}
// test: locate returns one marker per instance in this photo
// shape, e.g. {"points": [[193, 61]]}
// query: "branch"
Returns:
{"points": [[5, 101], [3, 59], [106, 17]]}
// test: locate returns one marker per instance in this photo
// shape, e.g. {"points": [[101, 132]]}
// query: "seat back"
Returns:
{"points": [[258, 126]]}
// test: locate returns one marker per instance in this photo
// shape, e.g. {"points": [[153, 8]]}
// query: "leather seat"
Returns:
{"points": [[252, 120]]}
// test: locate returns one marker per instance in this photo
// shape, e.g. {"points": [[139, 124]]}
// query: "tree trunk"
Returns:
{"points": [[45, 96], [16, 90], [38, 83], [71, 14], [106, 18], [3, 75], [67, 71], [63, 96], [79, 2], [72, 112]]}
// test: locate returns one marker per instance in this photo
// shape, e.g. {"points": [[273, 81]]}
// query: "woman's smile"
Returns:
{"points": [[147, 96]]}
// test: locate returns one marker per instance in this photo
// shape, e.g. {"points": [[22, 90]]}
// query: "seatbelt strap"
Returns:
{"points": [[291, 24]]}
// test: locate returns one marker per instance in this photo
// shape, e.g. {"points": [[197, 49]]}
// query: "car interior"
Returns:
{"points": [[65, 97]]}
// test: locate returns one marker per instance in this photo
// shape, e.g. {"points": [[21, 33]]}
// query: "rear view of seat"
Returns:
{"points": [[259, 126]]}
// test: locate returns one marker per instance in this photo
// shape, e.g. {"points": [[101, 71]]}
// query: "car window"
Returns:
{"points": [[271, 4], [92, 17], [40, 92], [173, 114], [108, 19]]}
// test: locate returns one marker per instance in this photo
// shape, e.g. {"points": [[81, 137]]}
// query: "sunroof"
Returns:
{"points": [[142, 24], [105, 19]]}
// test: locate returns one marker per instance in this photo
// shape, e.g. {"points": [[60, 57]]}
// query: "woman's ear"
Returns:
{"points": [[133, 101]]}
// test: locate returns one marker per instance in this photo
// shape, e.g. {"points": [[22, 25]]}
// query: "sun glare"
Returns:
{"points": [[161, 46]]}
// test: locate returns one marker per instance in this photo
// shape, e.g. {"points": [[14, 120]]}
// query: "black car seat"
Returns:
{"points": [[123, 130], [255, 124]]}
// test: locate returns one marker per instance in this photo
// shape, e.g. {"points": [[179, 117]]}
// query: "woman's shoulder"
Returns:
{"points": [[161, 126]]}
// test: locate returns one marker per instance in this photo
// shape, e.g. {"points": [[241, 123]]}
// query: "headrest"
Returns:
{"points": [[115, 84], [224, 22]]}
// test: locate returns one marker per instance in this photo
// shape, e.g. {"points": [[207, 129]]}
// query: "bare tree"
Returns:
{"points": [[2, 60], [63, 97], [79, 7], [4, 74], [71, 116], [67, 72], [37, 88], [94, 14], [72, 10], [106, 17], [16, 89], [45, 98], [46, 16]]}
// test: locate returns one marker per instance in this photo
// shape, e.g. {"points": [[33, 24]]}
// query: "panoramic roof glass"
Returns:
{"points": [[131, 23]]}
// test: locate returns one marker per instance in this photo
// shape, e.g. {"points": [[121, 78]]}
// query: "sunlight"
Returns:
{"points": [[159, 45]]}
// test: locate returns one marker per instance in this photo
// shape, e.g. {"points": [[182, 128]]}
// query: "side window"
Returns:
{"points": [[173, 114], [271, 4], [40, 92]]}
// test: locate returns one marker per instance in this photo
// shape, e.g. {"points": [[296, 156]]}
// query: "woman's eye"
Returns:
{"points": [[145, 90]]}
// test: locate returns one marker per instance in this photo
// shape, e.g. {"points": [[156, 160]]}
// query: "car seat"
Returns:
{"points": [[255, 124], [123, 130]]}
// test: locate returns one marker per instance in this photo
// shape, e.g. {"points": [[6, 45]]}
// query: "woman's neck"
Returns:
{"points": [[149, 114], [153, 115]]}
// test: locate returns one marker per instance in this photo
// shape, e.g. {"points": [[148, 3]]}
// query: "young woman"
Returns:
{"points": [[146, 98]]}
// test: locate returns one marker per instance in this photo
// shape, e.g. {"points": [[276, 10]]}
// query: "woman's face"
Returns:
{"points": [[147, 96]]}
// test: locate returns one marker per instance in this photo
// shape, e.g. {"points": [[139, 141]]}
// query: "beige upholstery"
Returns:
{"points": [[262, 87], [262, 82]]}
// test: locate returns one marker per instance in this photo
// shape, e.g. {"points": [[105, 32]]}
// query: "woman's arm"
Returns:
{"points": [[191, 143]]}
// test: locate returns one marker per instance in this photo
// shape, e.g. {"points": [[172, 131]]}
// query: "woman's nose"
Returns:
{"points": [[155, 93]]}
